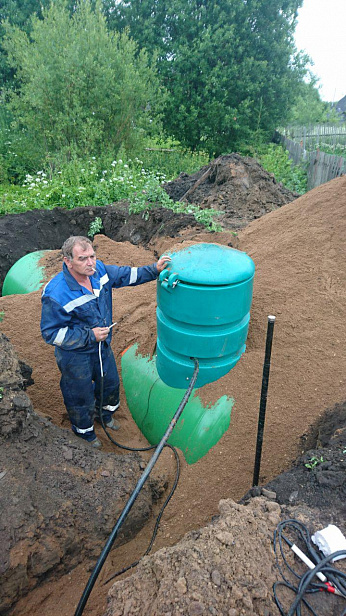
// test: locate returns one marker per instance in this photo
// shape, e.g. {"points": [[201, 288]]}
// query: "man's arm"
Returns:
{"points": [[123, 276], [58, 330]]}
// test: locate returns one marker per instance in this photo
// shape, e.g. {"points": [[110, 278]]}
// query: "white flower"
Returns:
{"points": [[63, 196]]}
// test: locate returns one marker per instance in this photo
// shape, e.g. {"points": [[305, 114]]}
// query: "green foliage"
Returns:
{"points": [[230, 66], [310, 109], [95, 226], [313, 462], [20, 153], [85, 183], [82, 89], [170, 158], [16, 12], [338, 149], [274, 158]]}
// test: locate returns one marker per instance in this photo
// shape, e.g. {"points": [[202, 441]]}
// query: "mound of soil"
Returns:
{"points": [[236, 186], [227, 567], [299, 253], [58, 498]]}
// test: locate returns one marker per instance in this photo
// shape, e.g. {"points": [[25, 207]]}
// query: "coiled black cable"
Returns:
{"points": [[308, 583]]}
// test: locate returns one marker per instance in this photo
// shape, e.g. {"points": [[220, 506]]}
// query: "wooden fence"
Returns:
{"points": [[314, 134], [321, 167]]}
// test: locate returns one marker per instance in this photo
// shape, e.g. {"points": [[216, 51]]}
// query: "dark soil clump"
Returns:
{"points": [[235, 185], [58, 497]]}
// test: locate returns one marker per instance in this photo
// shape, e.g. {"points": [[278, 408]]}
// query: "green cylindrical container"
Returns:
{"points": [[204, 299], [26, 275]]}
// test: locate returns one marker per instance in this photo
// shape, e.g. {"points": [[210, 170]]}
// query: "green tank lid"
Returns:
{"points": [[26, 275], [211, 265]]}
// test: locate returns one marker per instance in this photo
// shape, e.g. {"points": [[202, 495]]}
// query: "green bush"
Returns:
{"points": [[168, 156], [274, 158], [80, 86]]}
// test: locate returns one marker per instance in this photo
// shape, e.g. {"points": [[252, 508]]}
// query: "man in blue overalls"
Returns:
{"points": [[76, 317]]}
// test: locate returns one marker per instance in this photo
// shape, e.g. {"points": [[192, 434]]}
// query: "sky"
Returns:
{"points": [[321, 33]]}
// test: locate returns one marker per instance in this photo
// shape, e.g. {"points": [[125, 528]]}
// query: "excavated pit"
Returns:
{"points": [[53, 526]]}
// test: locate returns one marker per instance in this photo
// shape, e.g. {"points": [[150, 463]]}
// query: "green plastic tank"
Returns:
{"points": [[152, 405], [203, 311], [26, 275]]}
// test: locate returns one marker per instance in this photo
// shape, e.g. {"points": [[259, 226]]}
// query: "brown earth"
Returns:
{"points": [[236, 186], [299, 253]]}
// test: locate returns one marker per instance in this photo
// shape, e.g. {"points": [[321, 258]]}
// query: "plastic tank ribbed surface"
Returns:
{"points": [[204, 301]]}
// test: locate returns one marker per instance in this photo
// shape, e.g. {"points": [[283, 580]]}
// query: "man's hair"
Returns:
{"points": [[69, 244]]}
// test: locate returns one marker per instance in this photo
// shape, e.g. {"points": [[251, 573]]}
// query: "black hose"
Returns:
{"points": [[157, 523], [135, 493]]}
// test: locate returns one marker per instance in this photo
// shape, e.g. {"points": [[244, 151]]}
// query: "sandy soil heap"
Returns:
{"points": [[299, 253]]}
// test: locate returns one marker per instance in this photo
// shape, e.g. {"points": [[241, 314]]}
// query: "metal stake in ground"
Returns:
{"points": [[263, 403]]}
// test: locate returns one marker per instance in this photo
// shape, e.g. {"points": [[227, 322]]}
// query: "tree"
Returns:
{"points": [[81, 88], [19, 13], [310, 109], [230, 66]]}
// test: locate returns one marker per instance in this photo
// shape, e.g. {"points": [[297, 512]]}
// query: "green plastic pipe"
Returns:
{"points": [[151, 403], [26, 275]]}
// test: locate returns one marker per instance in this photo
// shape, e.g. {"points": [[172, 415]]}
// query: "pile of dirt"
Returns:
{"points": [[236, 186], [58, 500], [227, 567], [299, 253]]}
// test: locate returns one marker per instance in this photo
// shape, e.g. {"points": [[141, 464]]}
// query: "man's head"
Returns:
{"points": [[79, 256]]}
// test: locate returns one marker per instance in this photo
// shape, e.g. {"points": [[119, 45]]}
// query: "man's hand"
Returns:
{"points": [[162, 263], [101, 333]]}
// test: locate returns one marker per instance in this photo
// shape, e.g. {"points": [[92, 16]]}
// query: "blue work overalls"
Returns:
{"points": [[69, 313]]}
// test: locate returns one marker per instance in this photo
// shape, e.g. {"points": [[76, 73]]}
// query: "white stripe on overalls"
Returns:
{"points": [[81, 431], [59, 339], [79, 301], [133, 276]]}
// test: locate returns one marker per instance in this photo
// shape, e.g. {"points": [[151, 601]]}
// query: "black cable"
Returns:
{"points": [[157, 523], [307, 583], [175, 483], [135, 493]]}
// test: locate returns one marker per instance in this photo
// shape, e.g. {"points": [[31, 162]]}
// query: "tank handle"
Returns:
{"points": [[168, 281]]}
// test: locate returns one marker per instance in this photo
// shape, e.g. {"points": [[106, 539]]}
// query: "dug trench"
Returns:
{"points": [[60, 499]]}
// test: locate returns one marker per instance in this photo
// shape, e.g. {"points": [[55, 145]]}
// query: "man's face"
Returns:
{"points": [[83, 261]]}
